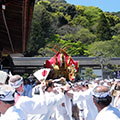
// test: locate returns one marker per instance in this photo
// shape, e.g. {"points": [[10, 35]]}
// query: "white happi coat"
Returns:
{"points": [[25, 106], [64, 112], [90, 110], [52, 100], [117, 102], [14, 113], [108, 113]]}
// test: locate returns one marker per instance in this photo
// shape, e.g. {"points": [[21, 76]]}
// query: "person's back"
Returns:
{"points": [[89, 109], [7, 108], [109, 113], [17, 114], [102, 99]]}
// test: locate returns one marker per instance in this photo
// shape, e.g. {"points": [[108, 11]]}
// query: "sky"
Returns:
{"points": [[105, 5]]}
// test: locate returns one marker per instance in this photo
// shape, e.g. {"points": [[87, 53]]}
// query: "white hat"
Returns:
{"points": [[117, 80], [17, 83], [98, 79], [107, 80], [42, 74], [111, 80], [6, 93], [3, 76]]}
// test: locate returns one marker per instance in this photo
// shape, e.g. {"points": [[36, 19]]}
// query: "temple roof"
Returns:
{"points": [[15, 22], [39, 61]]}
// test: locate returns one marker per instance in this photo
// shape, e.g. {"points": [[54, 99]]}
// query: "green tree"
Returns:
{"points": [[109, 48], [103, 29], [56, 22], [74, 48], [116, 29], [88, 74], [71, 10], [80, 9], [83, 35], [112, 19], [92, 14], [115, 43], [103, 60], [40, 29], [80, 20], [46, 51], [104, 47]]}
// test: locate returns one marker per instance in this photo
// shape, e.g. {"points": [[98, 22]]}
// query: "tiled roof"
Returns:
{"points": [[39, 61]]}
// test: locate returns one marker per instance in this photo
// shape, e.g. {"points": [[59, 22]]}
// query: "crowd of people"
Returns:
{"points": [[58, 99]]}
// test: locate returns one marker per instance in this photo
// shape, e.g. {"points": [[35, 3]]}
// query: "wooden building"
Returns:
{"points": [[21, 65], [15, 22]]}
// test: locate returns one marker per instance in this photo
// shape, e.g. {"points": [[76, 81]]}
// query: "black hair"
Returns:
{"points": [[7, 79], [9, 102], [49, 84], [105, 101], [37, 90]]}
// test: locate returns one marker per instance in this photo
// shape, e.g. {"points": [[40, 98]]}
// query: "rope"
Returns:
{"points": [[3, 14]]}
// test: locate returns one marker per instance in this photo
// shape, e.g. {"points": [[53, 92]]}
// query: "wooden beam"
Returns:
{"points": [[27, 18]]}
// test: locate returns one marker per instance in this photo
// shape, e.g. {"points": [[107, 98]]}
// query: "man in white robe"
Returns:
{"points": [[102, 99], [85, 103], [16, 81], [24, 106], [52, 98], [64, 110], [7, 108]]}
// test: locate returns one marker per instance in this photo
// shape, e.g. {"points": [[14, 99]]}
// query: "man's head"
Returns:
{"points": [[49, 85], [102, 96], [16, 82], [6, 97]]}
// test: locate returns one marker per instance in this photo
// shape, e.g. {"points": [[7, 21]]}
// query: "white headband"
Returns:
{"points": [[101, 94], [6, 93], [17, 83]]}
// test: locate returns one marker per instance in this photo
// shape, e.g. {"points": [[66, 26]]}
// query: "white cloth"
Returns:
{"points": [[14, 113], [3, 76], [90, 110], [17, 83], [108, 113], [25, 106], [61, 113], [68, 106], [42, 73], [117, 102], [6, 93], [52, 101], [34, 105]]}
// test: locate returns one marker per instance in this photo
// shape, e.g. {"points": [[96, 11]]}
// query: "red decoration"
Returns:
{"points": [[44, 73], [63, 65]]}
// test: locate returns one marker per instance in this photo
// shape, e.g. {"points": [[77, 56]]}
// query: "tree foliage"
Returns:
{"points": [[109, 48], [40, 29], [87, 30], [103, 29], [88, 74]]}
